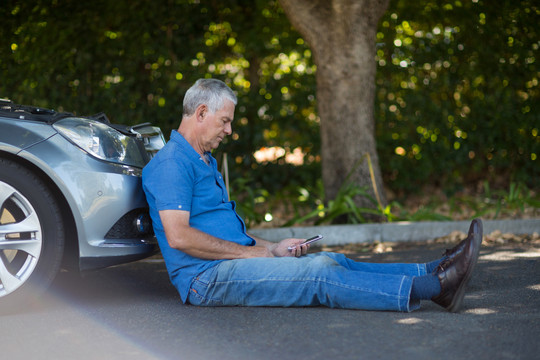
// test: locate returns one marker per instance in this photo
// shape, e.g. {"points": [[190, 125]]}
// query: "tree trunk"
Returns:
{"points": [[341, 34]]}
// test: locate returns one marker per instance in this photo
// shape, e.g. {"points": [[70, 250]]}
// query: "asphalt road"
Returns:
{"points": [[131, 311]]}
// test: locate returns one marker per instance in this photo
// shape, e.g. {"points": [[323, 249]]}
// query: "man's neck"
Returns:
{"points": [[191, 139]]}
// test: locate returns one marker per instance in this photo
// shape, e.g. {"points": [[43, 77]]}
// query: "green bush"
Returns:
{"points": [[458, 94], [457, 84]]}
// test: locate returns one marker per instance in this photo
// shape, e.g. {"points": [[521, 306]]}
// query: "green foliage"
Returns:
{"points": [[310, 209], [516, 201], [458, 93], [135, 59], [342, 208], [457, 87]]}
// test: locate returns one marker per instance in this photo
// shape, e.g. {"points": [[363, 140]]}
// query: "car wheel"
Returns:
{"points": [[31, 234]]}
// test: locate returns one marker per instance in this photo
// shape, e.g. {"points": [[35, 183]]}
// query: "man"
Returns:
{"points": [[212, 261]]}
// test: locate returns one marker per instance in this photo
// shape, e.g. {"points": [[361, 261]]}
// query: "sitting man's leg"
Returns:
{"points": [[333, 280], [315, 279]]}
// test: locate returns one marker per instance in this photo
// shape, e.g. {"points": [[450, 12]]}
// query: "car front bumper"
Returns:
{"points": [[106, 201]]}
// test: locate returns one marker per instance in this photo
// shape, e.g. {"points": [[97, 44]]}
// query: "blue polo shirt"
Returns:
{"points": [[177, 178]]}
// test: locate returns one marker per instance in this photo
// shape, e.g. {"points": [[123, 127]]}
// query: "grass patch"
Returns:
{"points": [[306, 207]]}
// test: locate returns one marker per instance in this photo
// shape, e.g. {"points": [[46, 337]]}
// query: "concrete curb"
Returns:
{"points": [[394, 232]]}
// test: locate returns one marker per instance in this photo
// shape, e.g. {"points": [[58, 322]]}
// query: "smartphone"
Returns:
{"points": [[308, 241]]}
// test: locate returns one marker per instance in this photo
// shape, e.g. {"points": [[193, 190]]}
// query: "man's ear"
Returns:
{"points": [[201, 112]]}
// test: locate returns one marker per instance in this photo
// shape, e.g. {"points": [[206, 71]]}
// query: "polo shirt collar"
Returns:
{"points": [[177, 138]]}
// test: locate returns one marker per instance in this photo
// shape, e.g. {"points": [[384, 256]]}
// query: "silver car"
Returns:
{"points": [[70, 195]]}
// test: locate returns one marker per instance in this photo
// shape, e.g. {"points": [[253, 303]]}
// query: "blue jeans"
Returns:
{"points": [[327, 279]]}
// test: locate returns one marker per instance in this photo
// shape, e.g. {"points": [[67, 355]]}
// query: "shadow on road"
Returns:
{"points": [[134, 310]]}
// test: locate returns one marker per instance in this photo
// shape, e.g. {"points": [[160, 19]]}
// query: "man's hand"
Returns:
{"points": [[298, 249]]}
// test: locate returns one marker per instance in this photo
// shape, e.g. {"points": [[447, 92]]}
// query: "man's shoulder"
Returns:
{"points": [[173, 150], [170, 150], [169, 158]]}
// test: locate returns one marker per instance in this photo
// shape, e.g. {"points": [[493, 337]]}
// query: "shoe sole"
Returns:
{"points": [[460, 293]]}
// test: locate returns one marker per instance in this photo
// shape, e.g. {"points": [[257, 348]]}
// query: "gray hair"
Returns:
{"points": [[210, 92]]}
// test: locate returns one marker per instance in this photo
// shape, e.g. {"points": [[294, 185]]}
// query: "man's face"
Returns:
{"points": [[218, 125]]}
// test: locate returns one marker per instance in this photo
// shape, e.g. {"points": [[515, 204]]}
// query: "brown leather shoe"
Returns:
{"points": [[454, 272], [475, 228]]}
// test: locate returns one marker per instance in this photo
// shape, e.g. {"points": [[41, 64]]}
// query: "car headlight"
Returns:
{"points": [[101, 141]]}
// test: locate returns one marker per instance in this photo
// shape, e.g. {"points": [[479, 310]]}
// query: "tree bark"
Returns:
{"points": [[341, 34]]}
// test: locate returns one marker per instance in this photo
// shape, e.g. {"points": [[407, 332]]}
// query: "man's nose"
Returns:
{"points": [[228, 129]]}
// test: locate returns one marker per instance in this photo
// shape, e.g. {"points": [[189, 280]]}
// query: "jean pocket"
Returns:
{"points": [[199, 292], [194, 298]]}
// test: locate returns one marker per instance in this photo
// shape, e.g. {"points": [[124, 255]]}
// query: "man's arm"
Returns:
{"points": [[199, 244]]}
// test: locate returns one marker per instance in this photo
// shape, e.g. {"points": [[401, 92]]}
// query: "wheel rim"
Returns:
{"points": [[20, 239]]}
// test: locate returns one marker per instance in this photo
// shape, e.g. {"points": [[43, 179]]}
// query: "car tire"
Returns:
{"points": [[31, 235]]}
